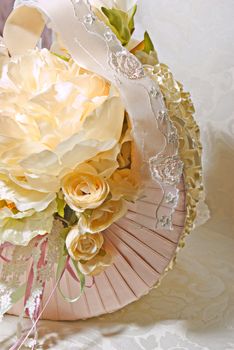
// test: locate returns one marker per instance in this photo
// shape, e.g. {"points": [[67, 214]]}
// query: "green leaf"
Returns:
{"points": [[60, 205], [121, 23], [149, 46], [131, 23], [64, 232], [70, 216], [64, 58]]}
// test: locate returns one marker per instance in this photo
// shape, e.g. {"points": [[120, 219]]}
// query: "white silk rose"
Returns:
{"points": [[50, 117]]}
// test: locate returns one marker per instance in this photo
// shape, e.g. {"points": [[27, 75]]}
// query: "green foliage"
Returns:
{"points": [[121, 23], [80, 276], [148, 44], [64, 232], [131, 23], [70, 216], [60, 205], [64, 58], [61, 268]]}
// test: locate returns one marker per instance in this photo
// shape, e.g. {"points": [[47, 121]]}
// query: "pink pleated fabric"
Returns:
{"points": [[141, 256]]}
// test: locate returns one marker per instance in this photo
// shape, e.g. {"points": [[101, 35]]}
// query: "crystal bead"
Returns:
{"points": [[166, 222], [172, 137], [109, 36], [153, 92], [162, 115], [89, 19], [171, 198]]}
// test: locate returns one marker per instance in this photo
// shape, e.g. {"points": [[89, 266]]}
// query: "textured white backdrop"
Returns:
{"points": [[193, 309]]}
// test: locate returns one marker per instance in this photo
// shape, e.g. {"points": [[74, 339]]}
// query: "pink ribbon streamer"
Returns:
{"points": [[10, 245], [23, 339], [37, 313], [2, 248]]}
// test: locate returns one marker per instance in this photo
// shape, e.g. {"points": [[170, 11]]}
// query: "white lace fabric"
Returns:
{"points": [[193, 307]]}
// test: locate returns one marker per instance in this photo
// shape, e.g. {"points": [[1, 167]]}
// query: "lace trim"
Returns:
{"points": [[165, 164], [181, 110]]}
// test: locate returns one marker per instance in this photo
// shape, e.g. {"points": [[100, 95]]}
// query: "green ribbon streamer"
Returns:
{"points": [[80, 276], [60, 271]]}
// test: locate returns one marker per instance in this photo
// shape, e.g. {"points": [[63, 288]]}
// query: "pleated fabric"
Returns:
{"points": [[141, 253]]}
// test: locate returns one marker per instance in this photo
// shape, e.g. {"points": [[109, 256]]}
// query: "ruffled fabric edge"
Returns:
{"points": [[181, 112]]}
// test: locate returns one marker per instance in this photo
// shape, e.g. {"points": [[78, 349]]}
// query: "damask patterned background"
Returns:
{"points": [[193, 309]]}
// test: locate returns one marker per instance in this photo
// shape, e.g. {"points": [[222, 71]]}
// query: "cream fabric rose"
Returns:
{"points": [[84, 188], [89, 251], [24, 213], [50, 117], [101, 218], [20, 227], [123, 184], [124, 158], [83, 246], [96, 265]]}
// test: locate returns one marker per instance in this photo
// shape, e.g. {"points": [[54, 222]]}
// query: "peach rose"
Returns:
{"points": [[101, 218], [96, 265], [83, 246], [84, 189]]}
